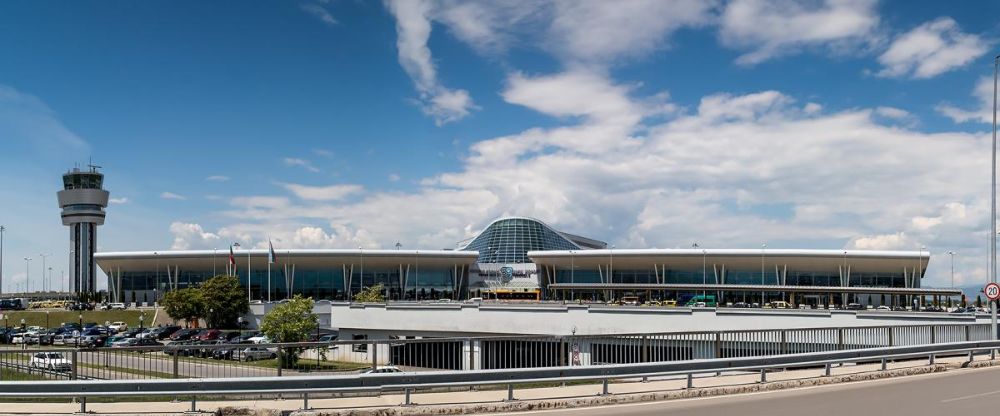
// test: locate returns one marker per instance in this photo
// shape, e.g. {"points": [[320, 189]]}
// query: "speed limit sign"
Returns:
{"points": [[992, 291]]}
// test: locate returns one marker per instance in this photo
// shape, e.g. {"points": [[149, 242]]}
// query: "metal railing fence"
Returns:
{"points": [[208, 360]]}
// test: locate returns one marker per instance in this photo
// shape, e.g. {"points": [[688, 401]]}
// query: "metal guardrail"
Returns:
{"points": [[408, 382]]}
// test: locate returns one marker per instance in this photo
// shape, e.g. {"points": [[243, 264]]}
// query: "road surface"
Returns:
{"points": [[962, 392]]}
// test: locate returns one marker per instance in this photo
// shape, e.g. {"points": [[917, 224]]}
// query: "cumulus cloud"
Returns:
{"points": [[894, 241], [302, 163], [772, 28], [217, 178], [118, 201], [171, 195], [983, 94], [189, 235], [931, 49], [413, 27]]}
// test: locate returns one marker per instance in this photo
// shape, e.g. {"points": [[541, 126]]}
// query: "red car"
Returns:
{"points": [[208, 335]]}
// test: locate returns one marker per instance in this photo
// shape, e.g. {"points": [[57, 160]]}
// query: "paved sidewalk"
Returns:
{"points": [[450, 402]]}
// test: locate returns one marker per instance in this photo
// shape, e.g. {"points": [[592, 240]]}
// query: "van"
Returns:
{"points": [[708, 300], [630, 300], [780, 304]]}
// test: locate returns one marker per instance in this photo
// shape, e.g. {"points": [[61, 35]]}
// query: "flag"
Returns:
{"points": [[271, 257], [232, 259]]}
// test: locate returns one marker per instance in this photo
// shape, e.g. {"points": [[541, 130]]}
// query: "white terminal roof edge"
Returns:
{"points": [[114, 255], [756, 252]]}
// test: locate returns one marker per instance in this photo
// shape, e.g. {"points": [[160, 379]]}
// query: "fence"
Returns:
{"points": [[205, 360], [408, 382]]}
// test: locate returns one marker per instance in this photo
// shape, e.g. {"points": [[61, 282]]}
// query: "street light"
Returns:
{"points": [[993, 202], [142, 317], [952, 254], [27, 274], [43, 256]]}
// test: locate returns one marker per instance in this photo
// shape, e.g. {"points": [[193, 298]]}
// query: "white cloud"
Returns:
{"points": [[393, 177], [983, 93], [894, 241], [600, 31], [171, 195], [118, 201], [732, 172], [413, 27], [320, 13], [217, 178], [322, 193], [931, 49], [24, 117], [892, 112], [188, 236], [302, 163], [772, 28]]}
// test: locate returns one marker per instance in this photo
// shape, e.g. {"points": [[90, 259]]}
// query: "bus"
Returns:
{"points": [[709, 301]]}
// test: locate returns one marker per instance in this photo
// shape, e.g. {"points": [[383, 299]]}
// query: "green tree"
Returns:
{"points": [[186, 304], [291, 321], [371, 294], [225, 301]]}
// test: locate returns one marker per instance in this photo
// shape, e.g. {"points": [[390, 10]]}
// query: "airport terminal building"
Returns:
{"points": [[523, 258]]}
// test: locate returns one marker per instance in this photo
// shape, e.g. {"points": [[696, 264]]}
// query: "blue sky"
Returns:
{"points": [[822, 124]]}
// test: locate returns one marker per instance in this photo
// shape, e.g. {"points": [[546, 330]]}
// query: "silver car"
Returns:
{"points": [[253, 354]]}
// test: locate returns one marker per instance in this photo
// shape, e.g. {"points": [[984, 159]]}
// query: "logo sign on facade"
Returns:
{"points": [[507, 272], [992, 291]]}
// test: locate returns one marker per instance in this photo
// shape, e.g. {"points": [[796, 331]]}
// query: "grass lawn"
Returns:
{"points": [[7, 374], [57, 317], [303, 364], [128, 370]]}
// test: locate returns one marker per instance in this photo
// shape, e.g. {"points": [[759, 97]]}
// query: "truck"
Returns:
{"points": [[14, 304]]}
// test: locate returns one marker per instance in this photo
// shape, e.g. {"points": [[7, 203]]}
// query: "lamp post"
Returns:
{"points": [[43, 256], [993, 202], [952, 254], [46, 319], [27, 274], [48, 281], [239, 323], [142, 317], [763, 247]]}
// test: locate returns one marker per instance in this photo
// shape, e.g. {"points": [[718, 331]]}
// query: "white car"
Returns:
{"points": [[260, 339], [118, 326], [146, 333], [126, 342], [18, 339], [115, 306], [385, 369], [253, 353], [51, 361]]}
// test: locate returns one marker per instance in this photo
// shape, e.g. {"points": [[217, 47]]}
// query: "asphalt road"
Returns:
{"points": [[963, 392]]}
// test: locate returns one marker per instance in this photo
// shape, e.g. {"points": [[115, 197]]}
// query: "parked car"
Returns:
{"points": [[93, 341], [114, 306], [381, 370], [164, 332], [208, 335], [118, 326], [226, 353], [183, 334], [123, 342], [146, 342], [259, 339], [254, 353], [855, 307], [883, 308], [53, 361], [18, 338], [109, 341]]}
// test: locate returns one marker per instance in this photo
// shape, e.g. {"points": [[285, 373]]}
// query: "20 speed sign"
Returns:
{"points": [[992, 291]]}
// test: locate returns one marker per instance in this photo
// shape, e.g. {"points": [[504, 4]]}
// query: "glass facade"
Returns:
{"points": [[326, 283], [734, 277], [508, 241]]}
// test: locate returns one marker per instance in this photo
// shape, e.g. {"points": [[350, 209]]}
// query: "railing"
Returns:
{"points": [[409, 382], [462, 354]]}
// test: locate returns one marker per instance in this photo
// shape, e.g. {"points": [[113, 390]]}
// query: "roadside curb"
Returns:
{"points": [[581, 402]]}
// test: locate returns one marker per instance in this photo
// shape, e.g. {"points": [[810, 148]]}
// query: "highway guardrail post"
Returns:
{"points": [[194, 404], [826, 369], [510, 392], [763, 375], [930, 359], [690, 377], [83, 405], [407, 392], [604, 387], [883, 364], [971, 357], [305, 401], [74, 374]]}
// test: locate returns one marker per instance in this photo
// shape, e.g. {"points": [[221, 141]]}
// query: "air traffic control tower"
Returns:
{"points": [[83, 200]]}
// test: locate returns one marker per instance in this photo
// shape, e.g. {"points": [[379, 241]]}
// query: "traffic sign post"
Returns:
{"points": [[992, 291]]}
